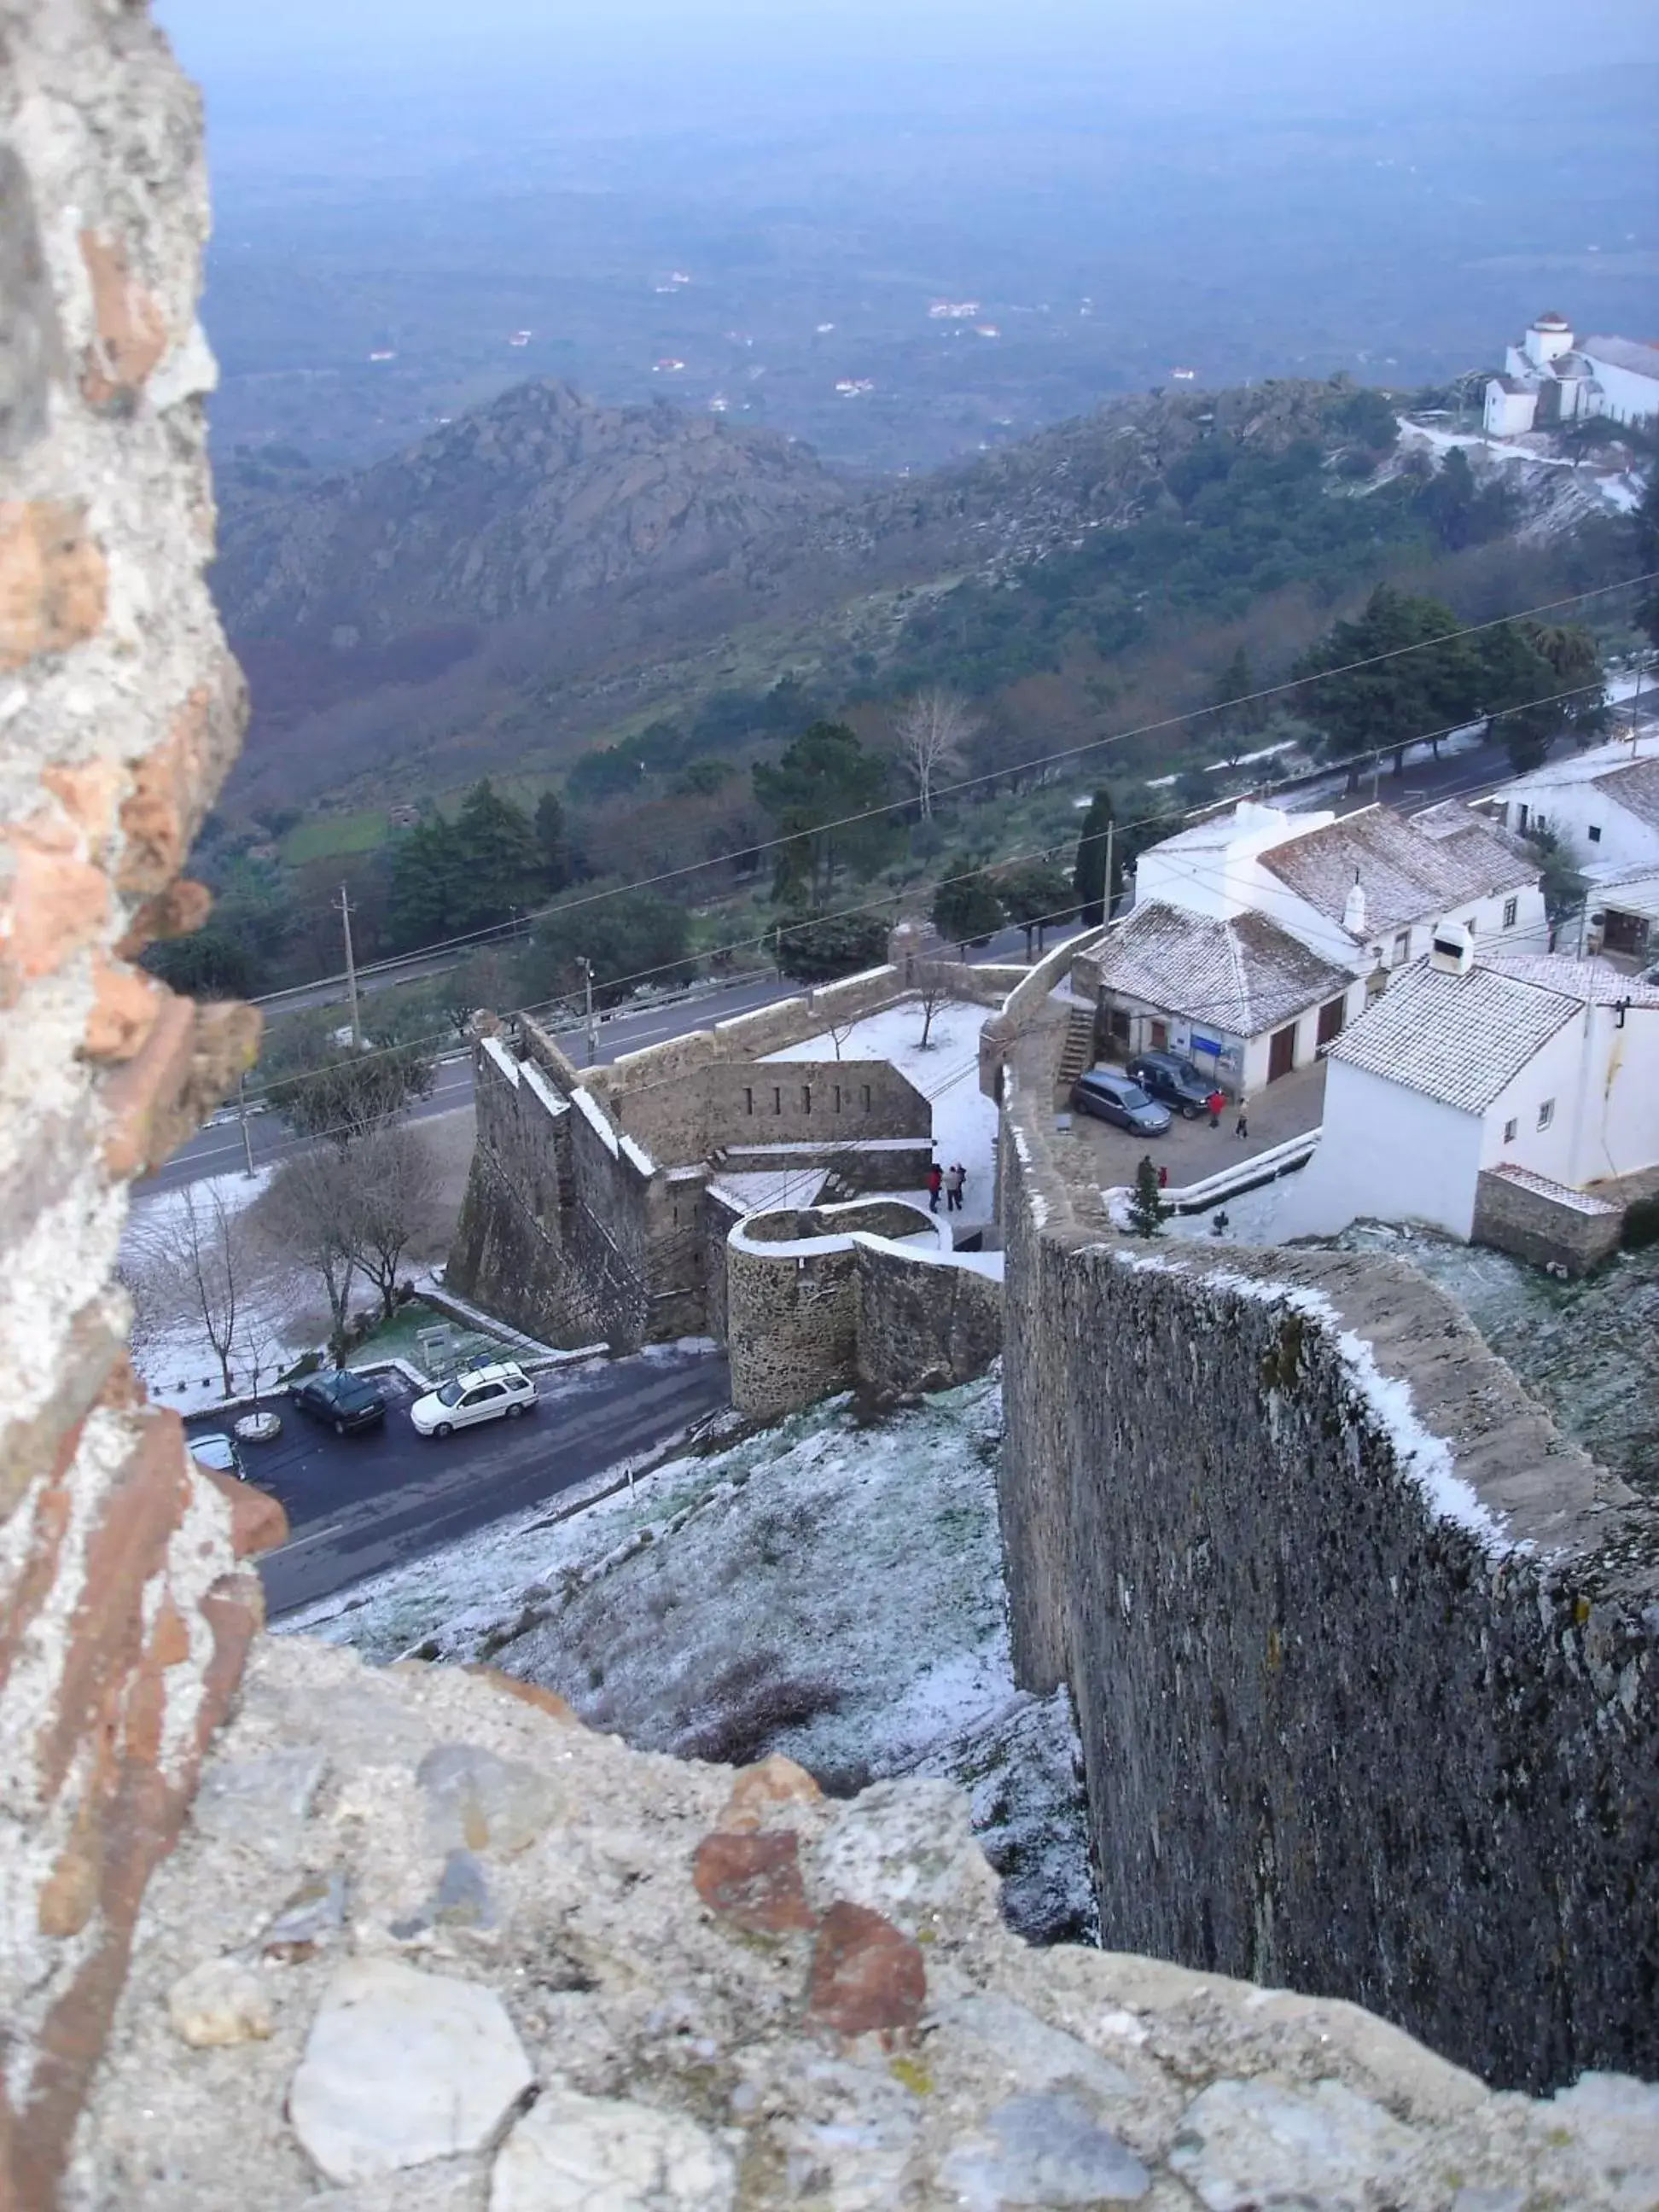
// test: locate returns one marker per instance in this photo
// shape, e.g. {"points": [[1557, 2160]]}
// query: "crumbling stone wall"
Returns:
{"points": [[1570, 1231], [923, 1324], [1365, 1656], [124, 1608]]}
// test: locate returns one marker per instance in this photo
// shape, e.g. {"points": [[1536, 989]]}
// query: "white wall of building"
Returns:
{"points": [[1626, 396], [1601, 1084], [1387, 1154], [1572, 810], [1541, 345], [1508, 414]]}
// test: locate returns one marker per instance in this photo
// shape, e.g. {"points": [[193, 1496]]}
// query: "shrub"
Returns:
{"points": [[1640, 1224]]}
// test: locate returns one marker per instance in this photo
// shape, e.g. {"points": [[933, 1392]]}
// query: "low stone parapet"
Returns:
{"points": [[1548, 1223]]}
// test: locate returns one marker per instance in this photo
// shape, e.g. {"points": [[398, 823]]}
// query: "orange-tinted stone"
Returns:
{"points": [[529, 1693], [867, 1977], [54, 581], [753, 1880], [132, 332], [257, 1523], [759, 1789], [125, 1007], [59, 903]]}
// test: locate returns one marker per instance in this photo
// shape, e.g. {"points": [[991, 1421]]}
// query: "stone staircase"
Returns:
{"points": [[1076, 1052]]}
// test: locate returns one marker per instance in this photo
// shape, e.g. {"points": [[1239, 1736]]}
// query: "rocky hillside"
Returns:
{"points": [[536, 498]]}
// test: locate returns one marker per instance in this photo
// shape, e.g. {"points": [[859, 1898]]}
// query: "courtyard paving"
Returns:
{"points": [[1193, 1150]]}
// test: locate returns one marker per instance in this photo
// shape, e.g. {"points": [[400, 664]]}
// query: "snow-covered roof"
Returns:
{"points": [[1409, 872], [1460, 1039], [1636, 787], [1559, 1193], [1587, 982], [1245, 975], [1628, 354], [1614, 758]]}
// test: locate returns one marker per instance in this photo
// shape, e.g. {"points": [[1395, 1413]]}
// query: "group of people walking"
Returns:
{"points": [[1217, 1103], [949, 1182]]}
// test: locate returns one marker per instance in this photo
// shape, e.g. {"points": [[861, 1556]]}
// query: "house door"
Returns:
{"points": [[1281, 1052], [1330, 1019], [1160, 1033]]}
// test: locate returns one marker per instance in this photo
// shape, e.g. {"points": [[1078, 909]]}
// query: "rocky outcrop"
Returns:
{"points": [[540, 496], [431, 1946]]}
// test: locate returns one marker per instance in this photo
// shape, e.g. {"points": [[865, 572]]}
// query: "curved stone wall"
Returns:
{"points": [[1366, 1656]]}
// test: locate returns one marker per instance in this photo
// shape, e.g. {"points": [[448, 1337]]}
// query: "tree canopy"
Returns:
{"points": [[1399, 673], [1089, 870], [824, 778], [966, 908]]}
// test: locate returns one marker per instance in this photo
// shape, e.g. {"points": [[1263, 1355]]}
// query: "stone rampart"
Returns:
{"points": [[699, 1113], [1366, 1656], [509, 1253], [823, 1298]]}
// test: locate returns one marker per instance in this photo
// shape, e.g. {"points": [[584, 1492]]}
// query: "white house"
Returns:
{"points": [[1241, 998], [1362, 894], [1553, 378], [1536, 1069], [1602, 804]]}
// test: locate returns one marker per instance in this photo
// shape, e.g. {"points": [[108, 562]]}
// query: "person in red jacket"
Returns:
{"points": [[1215, 1102], [935, 1184]]}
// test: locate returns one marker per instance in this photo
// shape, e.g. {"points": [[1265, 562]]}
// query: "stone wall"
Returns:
{"points": [[1544, 1224], [824, 1299], [922, 1325], [430, 1945], [508, 1253], [1363, 1653], [124, 1608], [690, 1116]]}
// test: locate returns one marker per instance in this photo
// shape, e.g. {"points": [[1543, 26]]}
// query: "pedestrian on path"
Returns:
{"points": [[953, 1188], [935, 1184], [1241, 1127], [1215, 1102], [1162, 1176]]}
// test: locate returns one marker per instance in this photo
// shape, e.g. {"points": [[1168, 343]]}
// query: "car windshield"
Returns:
{"points": [[351, 1391], [214, 1451], [1132, 1096], [451, 1393]]}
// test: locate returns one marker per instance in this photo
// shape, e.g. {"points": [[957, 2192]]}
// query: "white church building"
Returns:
{"points": [[1553, 378]]}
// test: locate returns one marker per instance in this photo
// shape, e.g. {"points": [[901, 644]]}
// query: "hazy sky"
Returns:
{"points": [[1253, 44]]}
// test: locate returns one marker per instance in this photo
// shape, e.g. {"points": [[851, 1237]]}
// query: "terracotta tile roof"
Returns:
{"points": [[1413, 871], [1246, 975]]}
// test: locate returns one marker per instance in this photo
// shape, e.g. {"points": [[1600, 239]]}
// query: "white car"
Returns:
{"points": [[483, 1394]]}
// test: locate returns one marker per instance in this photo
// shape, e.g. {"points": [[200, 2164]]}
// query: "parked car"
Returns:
{"points": [[1167, 1076], [483, 1394], [216, 1449], [346, 1401], [1112, 1095]]}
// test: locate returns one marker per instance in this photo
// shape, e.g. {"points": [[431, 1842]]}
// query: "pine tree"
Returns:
{"points": [[500, 860], [1146, 1209], [966, 908]]}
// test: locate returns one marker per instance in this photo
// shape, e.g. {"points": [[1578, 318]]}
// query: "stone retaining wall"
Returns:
{"points": [[1366, 1656], [1542, 1228]]}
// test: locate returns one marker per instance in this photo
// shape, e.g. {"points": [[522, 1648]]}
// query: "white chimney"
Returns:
{"points": [[1453, 950], [1354, 908]]}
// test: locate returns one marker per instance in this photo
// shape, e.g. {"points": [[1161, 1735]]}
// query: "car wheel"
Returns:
{"points": [[1189, 1113], [444, 1429], [513, 1412], [339, 1428]]}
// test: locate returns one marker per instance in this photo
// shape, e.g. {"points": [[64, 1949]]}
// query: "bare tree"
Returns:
{"points": [[196, 1264], [933, 991], [931, 729], [395, 1204], [311, 1214], [840, 1032]]}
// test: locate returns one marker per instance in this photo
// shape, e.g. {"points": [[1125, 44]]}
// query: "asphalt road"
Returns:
{"points": [[359, 1504]]}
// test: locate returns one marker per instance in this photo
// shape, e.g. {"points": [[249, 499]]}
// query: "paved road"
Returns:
{"points": [[359, 1504]]}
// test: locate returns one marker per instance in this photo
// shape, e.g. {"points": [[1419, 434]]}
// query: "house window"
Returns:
{"points": [[1402, 948], [1546, 1113], [1511, 907], [1594, 833], [806, 1098], [1509, 1128]]}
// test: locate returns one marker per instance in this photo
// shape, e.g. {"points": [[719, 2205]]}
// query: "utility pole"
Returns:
{"points": [[351, 971], [241, 1116], [1111, 839], [587, 1011]]}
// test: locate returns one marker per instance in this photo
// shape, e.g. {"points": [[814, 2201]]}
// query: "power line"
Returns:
{"points": [[495, 930]]}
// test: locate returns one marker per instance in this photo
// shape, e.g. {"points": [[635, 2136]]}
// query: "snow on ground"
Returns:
{"points": [[823, 1589], [946, 1070]]}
